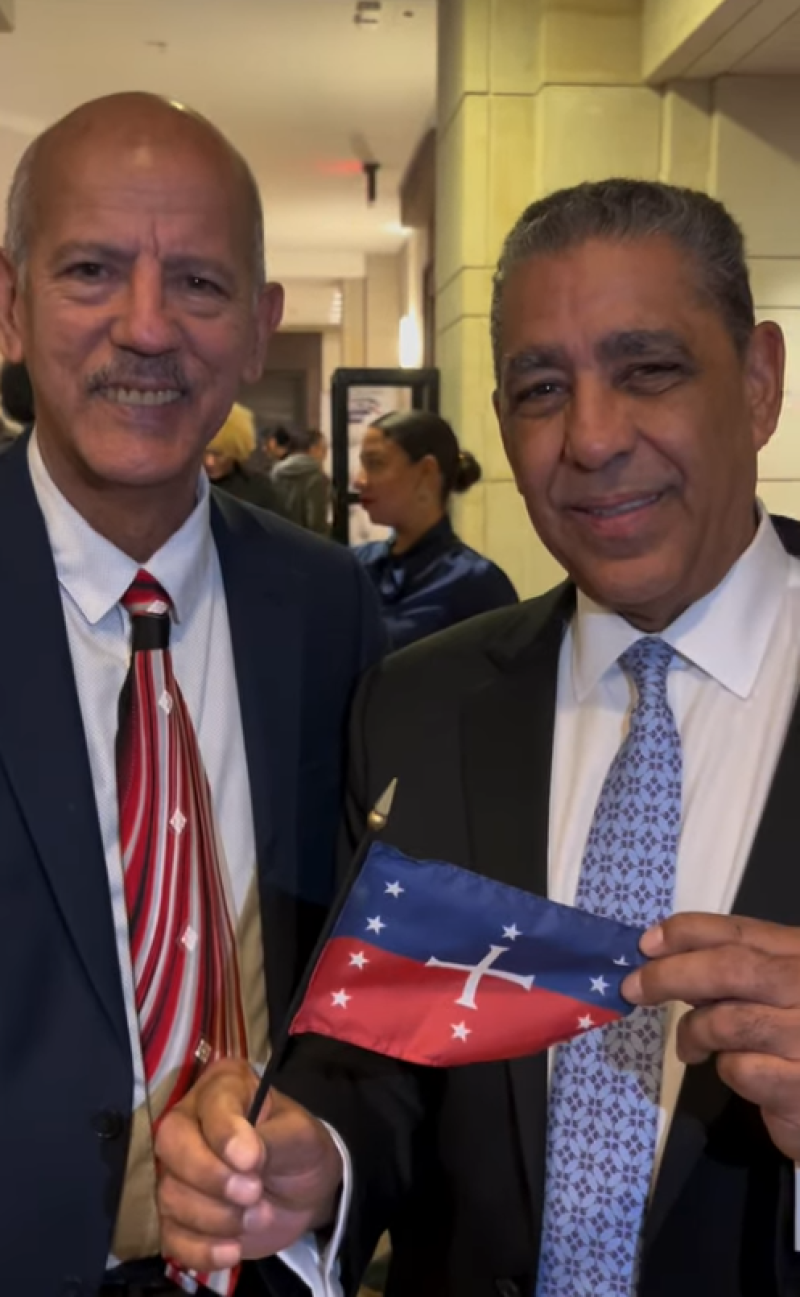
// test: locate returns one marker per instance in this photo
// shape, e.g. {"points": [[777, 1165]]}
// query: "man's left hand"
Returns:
{"points": [[743, 978]]}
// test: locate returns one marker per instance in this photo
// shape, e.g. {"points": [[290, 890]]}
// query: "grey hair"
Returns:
{"points": [[19, 207], [619, 210]]}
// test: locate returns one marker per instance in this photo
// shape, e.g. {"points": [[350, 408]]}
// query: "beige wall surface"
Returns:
{"points": [[537, 94]]}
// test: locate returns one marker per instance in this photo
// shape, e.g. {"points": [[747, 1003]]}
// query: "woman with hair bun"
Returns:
{"points": [[425, 576]]}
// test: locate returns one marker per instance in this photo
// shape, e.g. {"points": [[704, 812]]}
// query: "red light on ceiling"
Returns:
{"points": [[339, 167]]}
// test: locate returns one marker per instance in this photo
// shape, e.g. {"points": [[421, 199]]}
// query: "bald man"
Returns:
{"points": [[167, 817]]}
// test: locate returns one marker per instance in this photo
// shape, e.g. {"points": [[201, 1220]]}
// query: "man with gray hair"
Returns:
{"points": [[167, 818], [628, 743]]}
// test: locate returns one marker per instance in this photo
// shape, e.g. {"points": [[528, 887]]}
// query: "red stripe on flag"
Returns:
{"points": [[397, 1006]]}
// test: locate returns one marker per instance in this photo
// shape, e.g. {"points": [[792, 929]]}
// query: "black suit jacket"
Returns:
{"points": [[303, 625], [453, 1160]]}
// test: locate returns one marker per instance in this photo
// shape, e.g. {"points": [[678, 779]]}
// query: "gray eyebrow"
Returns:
{"points": [[531, 359], [630, 344]]}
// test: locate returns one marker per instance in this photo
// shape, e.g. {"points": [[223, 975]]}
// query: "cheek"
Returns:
{"points": [[534, 458]]}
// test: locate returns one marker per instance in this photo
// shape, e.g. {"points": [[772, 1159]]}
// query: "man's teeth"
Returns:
{"points": [[130, 396], [630, 506]]}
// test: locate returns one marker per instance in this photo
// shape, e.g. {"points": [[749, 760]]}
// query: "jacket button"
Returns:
{"points": [[109, 1123], [72, 1287], [506, 1288]]}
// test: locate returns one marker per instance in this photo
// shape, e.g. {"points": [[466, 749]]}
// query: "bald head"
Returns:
{"points": [[138, 125]]}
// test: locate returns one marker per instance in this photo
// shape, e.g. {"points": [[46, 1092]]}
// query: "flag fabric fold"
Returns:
{"points": [[434, 964]]}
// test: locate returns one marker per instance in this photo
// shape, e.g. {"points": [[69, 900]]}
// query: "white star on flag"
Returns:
{"points": [[621, 962], [394, 889], [460, 1030], [340, 998], [359, 960], [599, 984], [585, 1023], [512, 932], [375, 925]]}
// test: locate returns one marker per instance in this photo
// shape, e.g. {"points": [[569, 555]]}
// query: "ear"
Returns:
{"points": [[10, 307], [763, 377], [269, 312], [429, 471]]}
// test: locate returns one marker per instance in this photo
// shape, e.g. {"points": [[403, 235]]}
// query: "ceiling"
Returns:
{"points": [[304, 91], [778, 54]]}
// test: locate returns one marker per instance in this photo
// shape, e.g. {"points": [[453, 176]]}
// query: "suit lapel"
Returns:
{"points": [[770, 889], [266, 635], [42, 742], [507, 743]]}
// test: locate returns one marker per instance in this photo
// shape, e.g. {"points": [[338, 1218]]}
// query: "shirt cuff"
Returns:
{"points": [[319, 1270]]}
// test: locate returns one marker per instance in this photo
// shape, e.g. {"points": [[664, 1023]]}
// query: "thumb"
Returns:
{"points": [[294, 1141]]}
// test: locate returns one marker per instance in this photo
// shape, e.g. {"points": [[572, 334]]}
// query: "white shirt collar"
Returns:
{"points": [[96, 574], [725, 634]]}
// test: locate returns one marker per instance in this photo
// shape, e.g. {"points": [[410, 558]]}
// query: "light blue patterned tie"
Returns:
{"points": [[603, 1110]]}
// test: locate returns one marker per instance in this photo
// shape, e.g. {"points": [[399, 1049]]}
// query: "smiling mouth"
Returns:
{"points": [[139, 397], [621, 508]]}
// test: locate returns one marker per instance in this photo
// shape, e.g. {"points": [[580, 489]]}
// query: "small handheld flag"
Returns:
{"points": [[376, 823], [434, 964]]}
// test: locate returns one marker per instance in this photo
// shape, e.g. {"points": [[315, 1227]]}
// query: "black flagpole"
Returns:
{"points": [[376, 823]]}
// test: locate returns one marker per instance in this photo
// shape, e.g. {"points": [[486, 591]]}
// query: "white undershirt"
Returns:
{"points": [[732, 687]]}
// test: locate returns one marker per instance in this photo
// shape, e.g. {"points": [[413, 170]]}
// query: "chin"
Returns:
{"points": [[637, 589], [144, 467]]}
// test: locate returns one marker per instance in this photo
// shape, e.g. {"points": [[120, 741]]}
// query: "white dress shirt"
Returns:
{"points": [[93, 575], [732, 686]]}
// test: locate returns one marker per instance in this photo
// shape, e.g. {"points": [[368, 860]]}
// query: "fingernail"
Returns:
{"points": [[243, 1189], [241, 1151], [632, 988], [652, 941], [255, 1218], [225, 1255]]}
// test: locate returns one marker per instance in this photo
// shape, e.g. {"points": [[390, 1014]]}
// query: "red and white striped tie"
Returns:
{"points": [[183, 943]]}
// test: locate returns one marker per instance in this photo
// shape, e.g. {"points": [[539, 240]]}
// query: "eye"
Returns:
{"points": [[545, 390], [204, 287], [655, 371], [88, 271]]}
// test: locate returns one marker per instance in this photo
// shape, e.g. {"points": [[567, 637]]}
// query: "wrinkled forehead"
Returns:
{"points": [[83, 184], [585, 292]]}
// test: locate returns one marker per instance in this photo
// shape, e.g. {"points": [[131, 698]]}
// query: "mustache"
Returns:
{"points": [[128, 371]]}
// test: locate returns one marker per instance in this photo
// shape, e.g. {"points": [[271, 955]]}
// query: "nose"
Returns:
{"points": [[145, 322], [360, 480], [599, 427]]}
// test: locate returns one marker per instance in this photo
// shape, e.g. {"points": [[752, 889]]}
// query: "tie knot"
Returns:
{"points": [[144, 597], [149, 606], [647, 663]]}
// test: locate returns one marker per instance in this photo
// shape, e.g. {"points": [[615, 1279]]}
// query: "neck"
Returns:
{"points": [[406, 536], [137, 519]]}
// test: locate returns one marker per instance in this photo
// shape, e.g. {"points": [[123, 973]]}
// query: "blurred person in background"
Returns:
{"points": [[278, 444], [301, 484], [16, 399], [269, 451], [426, 578], [226, 462]]}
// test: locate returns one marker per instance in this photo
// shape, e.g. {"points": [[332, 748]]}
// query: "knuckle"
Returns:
{"points": [[168, 1197], [782, 978]]}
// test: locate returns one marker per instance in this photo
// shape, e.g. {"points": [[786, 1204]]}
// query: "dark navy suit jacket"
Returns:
{"points": [[303, 626], [453, 1160]]}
